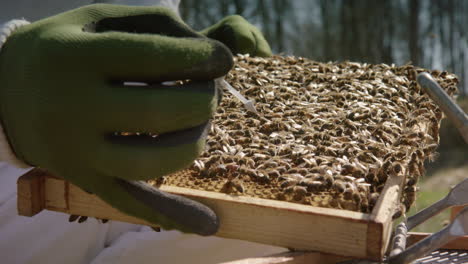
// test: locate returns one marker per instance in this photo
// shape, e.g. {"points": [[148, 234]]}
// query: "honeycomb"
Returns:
{"points": [[326, 134]]}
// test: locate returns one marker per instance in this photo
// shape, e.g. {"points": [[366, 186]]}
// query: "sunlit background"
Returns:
{"points": [[430, 34]]}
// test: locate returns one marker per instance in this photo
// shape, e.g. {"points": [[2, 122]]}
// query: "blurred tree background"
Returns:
{"points": [[430, 34]]}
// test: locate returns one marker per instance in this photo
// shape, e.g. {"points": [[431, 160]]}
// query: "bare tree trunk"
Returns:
{"points": [[387, 39], [239, 6], [325, 14], [280, 11], [414, 6], [223, 7], [451, 49], [344, 30], [265, 17]]}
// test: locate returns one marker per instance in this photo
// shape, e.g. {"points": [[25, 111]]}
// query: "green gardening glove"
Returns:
{"points": [[240, 36], [63, 104]]}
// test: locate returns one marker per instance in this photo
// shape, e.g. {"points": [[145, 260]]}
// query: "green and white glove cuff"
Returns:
{"points": [[6, 152], [9, 27]]}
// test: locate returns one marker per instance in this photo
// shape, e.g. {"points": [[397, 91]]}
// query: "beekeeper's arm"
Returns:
{"points": [[64, 103]]}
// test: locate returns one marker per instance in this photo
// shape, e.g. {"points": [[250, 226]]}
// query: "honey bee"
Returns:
{"points": [[364, 207], [212, 142], [373, 198], [407, 142], [298, 192], [242, 140], [159, 181], [311, 185], [317, 177], [103, 220], [243, 170], [333, 203], [73, 218], [281, 196], [198, 165], [263, 178], [410, 196], [251, 173], [250, 162], [411, 181], [328, 181], [273, 173], [397, 168], [281, 169], [363, 187], [400, 210], [302, 171], [156, 229], [82, 219], [232, 185], [339, 186], [270, 164], [288, 182], [438, 114], [220, 169], [416, 135], [428, 149], [356, 197], [348, 194], [232, 167], [210, 161], [371, 176], [412, 122], [347, 169]]}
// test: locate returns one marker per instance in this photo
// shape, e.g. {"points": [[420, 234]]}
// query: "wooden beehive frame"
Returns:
{"points": [[258, 220]]}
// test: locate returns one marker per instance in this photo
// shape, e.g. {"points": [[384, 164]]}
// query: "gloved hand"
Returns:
{"points": [[240, 36], [64, 103]]}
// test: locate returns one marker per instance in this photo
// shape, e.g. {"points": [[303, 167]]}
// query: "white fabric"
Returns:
{"points": [[49, 238]]}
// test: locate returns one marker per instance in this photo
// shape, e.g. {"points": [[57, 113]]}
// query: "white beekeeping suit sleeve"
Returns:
{"points": [[49, 238], [147, 246]]}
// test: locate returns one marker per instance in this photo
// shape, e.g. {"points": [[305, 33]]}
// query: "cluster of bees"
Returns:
{"points": [[326, 134]]}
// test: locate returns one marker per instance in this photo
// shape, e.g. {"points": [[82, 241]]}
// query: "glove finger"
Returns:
{"points": [[262, 47], [98, 12], [156, 109], [240, 36], [190, 214], [245, 40], [118, 56], [153, 23], [140, 200], [144, 157]]}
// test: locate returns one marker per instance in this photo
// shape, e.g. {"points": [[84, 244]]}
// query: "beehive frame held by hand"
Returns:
{"points": [[394, 97], [271, 222]]}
